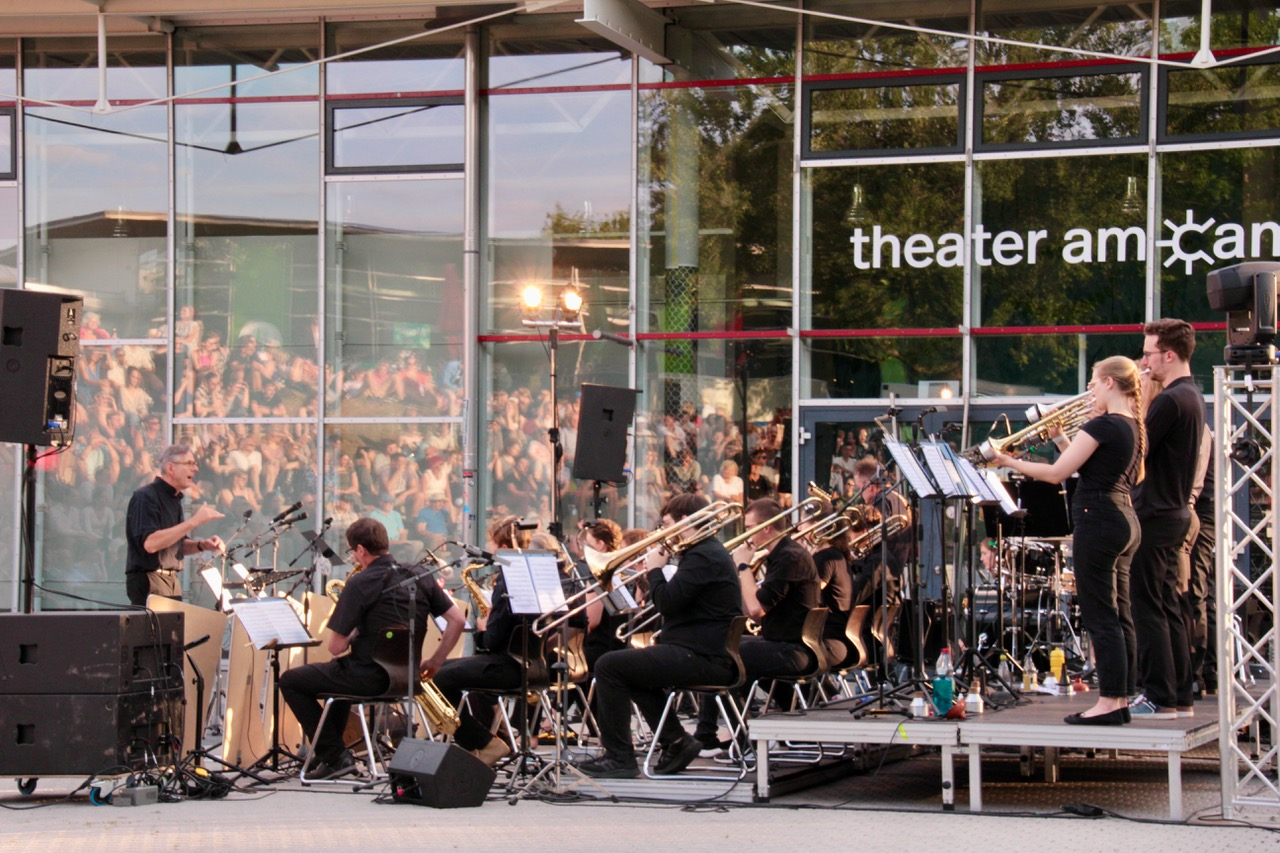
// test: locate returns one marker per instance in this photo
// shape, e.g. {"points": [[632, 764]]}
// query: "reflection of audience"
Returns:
{"points": [[727, 485]]}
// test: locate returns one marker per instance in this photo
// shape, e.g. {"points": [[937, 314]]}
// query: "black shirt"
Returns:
{"points": [[1113, 467], [837, 589], [157, 506], [1175, 419], [700, 601], [788, 592], [375, 599]]}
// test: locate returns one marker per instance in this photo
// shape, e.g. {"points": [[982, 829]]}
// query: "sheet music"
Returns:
{"points": [[214, 579], [943, 469], [272, 622], [1002, 494], [982, 494], [916, 476], [533, 582]]}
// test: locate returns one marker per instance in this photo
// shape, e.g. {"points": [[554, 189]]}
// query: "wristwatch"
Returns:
{"points": [[743, 567]]}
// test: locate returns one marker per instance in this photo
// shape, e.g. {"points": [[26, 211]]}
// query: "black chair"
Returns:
{"points": [[811, 637], [722, 695], [394, 654]]}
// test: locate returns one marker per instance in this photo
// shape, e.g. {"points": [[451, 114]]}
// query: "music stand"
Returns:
{"points": [[273, 625]]}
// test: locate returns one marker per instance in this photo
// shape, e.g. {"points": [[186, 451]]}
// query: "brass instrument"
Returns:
{"points": [[334, 588], [480, 605], [437, 709], [816, 491], [863, 543], [808, 505], [825, 529], [625, 565]]}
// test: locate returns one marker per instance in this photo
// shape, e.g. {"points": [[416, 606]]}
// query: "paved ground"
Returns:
{"points": [[894, 807]]}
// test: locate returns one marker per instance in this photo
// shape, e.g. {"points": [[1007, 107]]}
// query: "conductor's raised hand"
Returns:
{"points": [[204, 515]]}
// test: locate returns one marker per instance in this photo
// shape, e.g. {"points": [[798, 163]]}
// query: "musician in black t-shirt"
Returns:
{"points": [[698, 598], [1108, 454], [831, 558], [373, 599], [1175, 422]]}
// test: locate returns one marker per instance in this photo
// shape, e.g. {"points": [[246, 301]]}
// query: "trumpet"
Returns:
{"points": [[615, 569]]}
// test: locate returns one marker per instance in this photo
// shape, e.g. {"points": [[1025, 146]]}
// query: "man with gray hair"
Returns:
{"points": [[157, 533]]}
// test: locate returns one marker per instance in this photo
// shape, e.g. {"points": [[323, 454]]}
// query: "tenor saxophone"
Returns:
{"points": [[438, 710], [480, 605], [334, 588]]}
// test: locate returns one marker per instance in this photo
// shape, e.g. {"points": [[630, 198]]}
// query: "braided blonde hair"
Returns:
{"points": [[1124, 371]]}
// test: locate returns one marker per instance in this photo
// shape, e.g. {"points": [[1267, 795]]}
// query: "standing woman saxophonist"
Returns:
{"points": [[1108, 453]]}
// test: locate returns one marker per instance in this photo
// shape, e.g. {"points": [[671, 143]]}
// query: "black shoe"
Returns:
{"points": [[611, 767], [677, 755], [341, 766], [1111, 718], [1128, 715]]}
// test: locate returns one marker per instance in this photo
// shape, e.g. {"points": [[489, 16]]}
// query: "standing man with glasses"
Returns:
{"points": [[1162, 501], [156, 532]]}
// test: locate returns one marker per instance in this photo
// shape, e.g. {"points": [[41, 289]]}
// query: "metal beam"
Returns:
{"points": [[630, 25]]}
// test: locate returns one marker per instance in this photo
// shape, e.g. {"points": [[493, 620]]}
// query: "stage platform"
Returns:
{"points": [[1033, 724]]}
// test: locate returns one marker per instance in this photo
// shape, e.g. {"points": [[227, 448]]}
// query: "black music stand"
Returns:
{"points": [[193, 759], [273, 625]]}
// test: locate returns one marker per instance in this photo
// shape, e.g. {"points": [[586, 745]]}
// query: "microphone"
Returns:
{"points": [[920, 417], [291, 509], [248, 514], [289, 521], [327, 521], [473, 551]]}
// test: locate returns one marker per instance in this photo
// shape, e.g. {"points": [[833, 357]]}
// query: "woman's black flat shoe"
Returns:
{"points": [[1111, 718]]}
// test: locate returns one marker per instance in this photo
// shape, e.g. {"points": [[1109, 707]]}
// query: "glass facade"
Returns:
{"points": [[285, 233]]}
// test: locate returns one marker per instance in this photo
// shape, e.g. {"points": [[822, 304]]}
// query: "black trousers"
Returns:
{"points": [[1105, 540], [494, 671], [300, 687], [1203, 606], [645, 677], [761, 659], [1164, 653]]}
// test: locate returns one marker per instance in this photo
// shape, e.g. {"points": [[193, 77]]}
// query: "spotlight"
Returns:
{"points": [[570, 301], [531, 297]]}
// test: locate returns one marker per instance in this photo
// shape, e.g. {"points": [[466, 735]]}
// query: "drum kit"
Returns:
{"points": [[1025, 601]]}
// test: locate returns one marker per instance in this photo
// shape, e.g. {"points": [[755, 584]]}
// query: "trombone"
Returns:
{"points": [[616, 569], [864, 542]]}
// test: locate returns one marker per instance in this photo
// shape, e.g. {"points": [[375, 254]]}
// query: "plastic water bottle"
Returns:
{"points": [[1004, 674], [1030, 678], [943, 686]]}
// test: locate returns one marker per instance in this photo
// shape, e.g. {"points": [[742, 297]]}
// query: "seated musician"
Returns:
{"points": [[698, 597], [780, 605], [831, 558], [492, 666], [372, 600], [602, 535]]}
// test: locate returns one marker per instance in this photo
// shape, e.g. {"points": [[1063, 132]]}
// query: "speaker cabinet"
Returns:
{"points": [[82, 734], [107, 652], [39, 343], [440, 775], [603, 419]]}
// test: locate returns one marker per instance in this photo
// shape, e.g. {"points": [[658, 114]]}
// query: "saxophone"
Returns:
{"points": [[334, 588], [443, 716], [478, 602]]}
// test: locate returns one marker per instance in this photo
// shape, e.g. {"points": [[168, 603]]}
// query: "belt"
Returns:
{"points": [[167, 571]]}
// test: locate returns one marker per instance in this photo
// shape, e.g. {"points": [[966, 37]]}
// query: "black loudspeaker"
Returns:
{"points": [[603, 418], [83, 734], [39, 343], [440, 775], [78, 653]]}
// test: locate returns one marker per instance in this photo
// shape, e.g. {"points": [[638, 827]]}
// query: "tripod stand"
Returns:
{"points": [[196, 757]]}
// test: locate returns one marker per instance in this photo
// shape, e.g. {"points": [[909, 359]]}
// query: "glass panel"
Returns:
{"points": [[516, 449], [247, 207], [8, 157], [10, 562], [1234, 99], [689, 424], [558, 188], [1061, 241], [120, 431], [1062, 109], [419, 466], [425, 64], [394, 298], [887, 250], [407, 135], [1241, 23], [8, 236], [1121, 29], [715, 202], [845, 368], [1034, 365], [1218, 208], [97, 196], [849, 47], [885, 117]]}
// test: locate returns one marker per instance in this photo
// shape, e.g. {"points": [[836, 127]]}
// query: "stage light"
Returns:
{"points": [[570, 301], [531, 297]]}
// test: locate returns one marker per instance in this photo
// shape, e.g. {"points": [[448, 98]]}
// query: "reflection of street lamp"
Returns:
{"points": [[121, 228], [858, 214], [565, 313], [1131, 204]]}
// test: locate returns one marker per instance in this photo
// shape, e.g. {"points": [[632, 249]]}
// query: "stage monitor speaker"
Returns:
{"points": [[83, 734], [103, 652], [39, 343], [603, 418], [440, 775]]}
